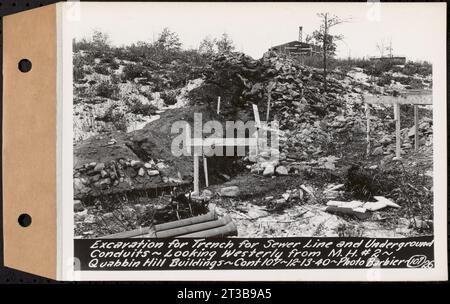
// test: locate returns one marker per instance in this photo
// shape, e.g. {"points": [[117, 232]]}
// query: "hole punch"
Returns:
{"points": [[24, 65], [24, 220]]}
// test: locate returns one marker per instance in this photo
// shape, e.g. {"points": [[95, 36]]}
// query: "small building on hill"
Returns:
{"points": [[398, 60], [297, 47]]}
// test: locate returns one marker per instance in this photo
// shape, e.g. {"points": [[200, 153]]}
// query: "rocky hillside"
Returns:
{"points": [[124, 111]]}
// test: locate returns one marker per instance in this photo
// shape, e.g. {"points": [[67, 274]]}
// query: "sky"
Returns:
{"points": [[255, 27]]}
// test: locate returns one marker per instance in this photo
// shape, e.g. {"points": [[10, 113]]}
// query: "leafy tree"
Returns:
{"points": [[168, 40], [100, 41], [207, 46], [225, 44]]}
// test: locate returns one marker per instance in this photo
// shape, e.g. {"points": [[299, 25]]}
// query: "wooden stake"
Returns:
{"points": [[268, 109], [196, 167], [397, 129], [205, 169], [218, 105], [416, 127], [368, 129]]}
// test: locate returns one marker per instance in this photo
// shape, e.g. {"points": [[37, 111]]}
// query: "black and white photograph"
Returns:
{"points": [[225, 141], [348, 99]]}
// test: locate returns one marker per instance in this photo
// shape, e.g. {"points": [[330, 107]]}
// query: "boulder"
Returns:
{"points": [[141, 172], [269, 170], [136, 163], [79, 187], [232, 191], [281, 170], [77, 206], [377, 151], [153, 172], [99, 167]]}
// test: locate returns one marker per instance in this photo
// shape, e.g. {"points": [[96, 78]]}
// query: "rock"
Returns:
{"points": [[412, 131], [79, 187], [152, 172], [232, 191], [160, 166], [147, 165], [81, 215], [207, 193], [99, 167], [95, 178], [108, 215], [256, 212], [385, 140], [280, 201], [281, 170], [136, 163], [377, 151], [77, 206], [269, 170], [104, 182], [90, 219], [286, 196], [141, 172], [103, 173]]}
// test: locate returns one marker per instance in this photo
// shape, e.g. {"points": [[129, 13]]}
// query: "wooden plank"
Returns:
{"points": [[218, 105], [258, 124], [268, 108], [397, 130], [256, 115], [205, 170], [416, 127], [418, 99], [196, 168]]}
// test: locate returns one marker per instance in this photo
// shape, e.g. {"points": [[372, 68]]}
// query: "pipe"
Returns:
{"points": [[223, 231], [127, 234], [193, 228], [210, 216]]}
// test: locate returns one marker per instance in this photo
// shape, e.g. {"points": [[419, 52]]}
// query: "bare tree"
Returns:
{"points": [[381, 48], [327, 41]]}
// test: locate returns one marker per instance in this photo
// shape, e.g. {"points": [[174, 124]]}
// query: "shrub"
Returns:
{"points": [[101, 69], [120, 122], [107, 89], [421, 68], [115, 117], [137, 107], [132, 71], [384, 79], [169, 98], [78, 73]]}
